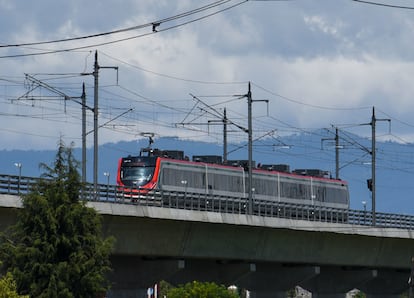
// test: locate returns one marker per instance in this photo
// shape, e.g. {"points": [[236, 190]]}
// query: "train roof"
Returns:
{"points": [[257, 170]]}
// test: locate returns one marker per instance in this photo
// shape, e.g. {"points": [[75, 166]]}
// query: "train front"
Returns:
{"points": [[136, 176]]}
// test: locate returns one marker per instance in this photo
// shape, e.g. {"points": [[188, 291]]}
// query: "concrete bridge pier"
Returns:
{"points": [[206, 271], [274, 280], [383, 296], [387, 283], [337, 280], [125, 293], [328, 295], [132, 276], [267, 294]]}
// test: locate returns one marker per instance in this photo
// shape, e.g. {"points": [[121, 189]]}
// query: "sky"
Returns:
{"points": [[171, 68], [311, 63]]}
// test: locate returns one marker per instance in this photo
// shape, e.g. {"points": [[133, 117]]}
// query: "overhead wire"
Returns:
{"points": [[383, 4], [127, 38], [145, 115], [301, 102], [135, 27], [295, 101], [168, 76]]}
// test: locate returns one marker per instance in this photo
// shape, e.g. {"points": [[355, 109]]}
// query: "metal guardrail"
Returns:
{"points": [[15, 185]]}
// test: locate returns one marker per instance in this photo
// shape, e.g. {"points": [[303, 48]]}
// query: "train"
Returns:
{"points": [[170, 170]]}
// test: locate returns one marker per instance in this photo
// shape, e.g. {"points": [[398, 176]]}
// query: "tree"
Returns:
{"points": [[8, 287], [163, 288], [197, 289], [56, 248]]}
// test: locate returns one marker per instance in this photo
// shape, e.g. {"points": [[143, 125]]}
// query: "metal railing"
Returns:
{"points": [[15, 185]]}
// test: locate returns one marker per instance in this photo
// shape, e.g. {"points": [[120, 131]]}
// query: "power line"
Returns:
{"points": [[46, 52], [383, 4], [306, 104], [168, 76], [158, 22]]}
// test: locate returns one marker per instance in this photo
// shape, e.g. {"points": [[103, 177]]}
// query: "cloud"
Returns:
{"points": [[330, 63]]}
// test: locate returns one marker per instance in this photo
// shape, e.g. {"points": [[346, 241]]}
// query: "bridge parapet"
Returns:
{"points": [[15, 185]]}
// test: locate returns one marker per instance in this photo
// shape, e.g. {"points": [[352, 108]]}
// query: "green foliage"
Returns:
{"points": [[163, 288], [291, 293], [197, 289], [56, 248], [359, 294], [8, 287]]}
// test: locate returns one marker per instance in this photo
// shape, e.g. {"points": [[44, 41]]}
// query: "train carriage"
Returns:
{"points": [[140, 175]]}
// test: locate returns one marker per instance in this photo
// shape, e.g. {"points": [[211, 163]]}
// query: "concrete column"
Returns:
{"points": [[337, 281], [383, 296], [267, 294], [328, 295], [270, 277], [125, 293], [387, 283], [132, 274]]}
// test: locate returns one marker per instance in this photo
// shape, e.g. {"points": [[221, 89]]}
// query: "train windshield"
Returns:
{"points": [[136, 176]]}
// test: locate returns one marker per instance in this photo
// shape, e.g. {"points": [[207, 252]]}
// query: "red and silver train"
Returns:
{"points": [[169, 170]]}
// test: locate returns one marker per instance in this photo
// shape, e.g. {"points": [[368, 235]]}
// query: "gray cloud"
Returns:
{"points": [[330, 61]]}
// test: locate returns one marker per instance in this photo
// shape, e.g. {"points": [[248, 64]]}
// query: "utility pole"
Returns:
{"points": [[95, 120], [95, 125], [336, 139], [336, 154], [250, 146], [250, 149], [373, 158], [225, 137], [373, 166], [224, 121], [83, 98]]}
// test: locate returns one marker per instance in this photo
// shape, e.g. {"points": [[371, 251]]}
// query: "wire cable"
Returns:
{"points": [[171, 76], [383, 4], [46, 52], [158, 22], [306, 104]]}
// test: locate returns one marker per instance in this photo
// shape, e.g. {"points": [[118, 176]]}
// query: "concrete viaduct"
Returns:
{"points": [[268, 256]]}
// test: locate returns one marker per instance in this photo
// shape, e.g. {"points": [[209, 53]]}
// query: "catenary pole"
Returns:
{"points": [[250, 146], [250, 149], [373, 164], [95, 74], [373, 149], [95, 125], [336, 154], [83, 97], [225, 136]]}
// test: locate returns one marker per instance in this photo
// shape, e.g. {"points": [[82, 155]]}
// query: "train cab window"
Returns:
{"points": [[141, 175]]}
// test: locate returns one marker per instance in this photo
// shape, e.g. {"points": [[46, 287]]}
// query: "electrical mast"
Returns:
{"points": [[225, 136], [95, 125], [83, 98], [337, 147], [373, 161], [250, 149], [250, 146], [336, 154], [95, 119]]}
